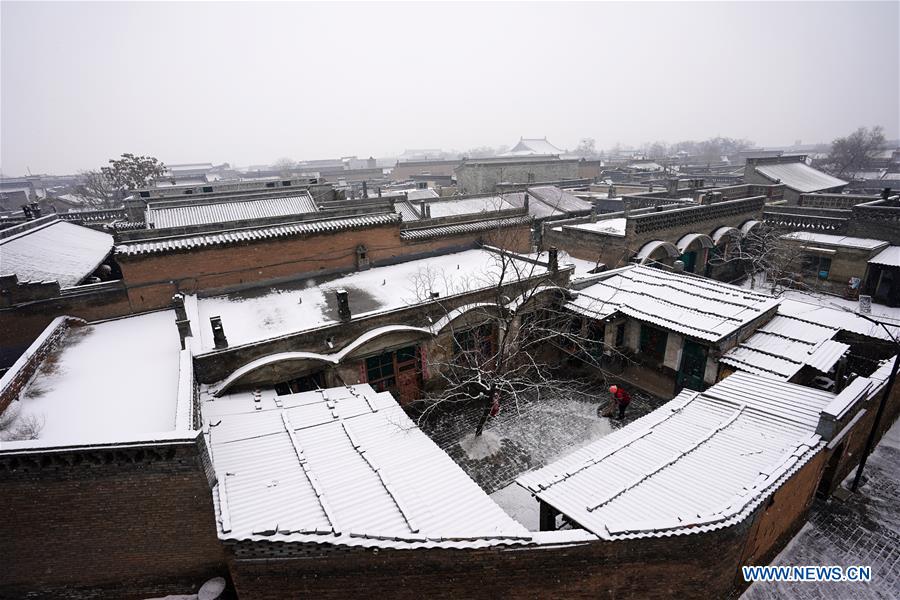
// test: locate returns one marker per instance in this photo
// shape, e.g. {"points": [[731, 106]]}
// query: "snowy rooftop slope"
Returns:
{"points": [[112, 381], [784, 345], [56, 251], [889, 257], [700, 462], [162, 216], [694, 306], [467, 206], [559, 198], [800, 176], [252, 316], [536, 208], [608, 226], [842, 241], [531, 147], [847, 320], [341, 466]]}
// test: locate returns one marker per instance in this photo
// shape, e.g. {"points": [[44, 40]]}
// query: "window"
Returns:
{"points": [[653, 342], [207, 189], [306, 383], [620, 335], [188, 191], [145, 194], [380, 371], [476, 344], [285, 183], [816, 266], [270, 184]]}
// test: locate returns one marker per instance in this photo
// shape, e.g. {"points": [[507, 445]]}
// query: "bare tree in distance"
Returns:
{"points": [[854, 153], [95, 190], [285, 166], [130, 172]]}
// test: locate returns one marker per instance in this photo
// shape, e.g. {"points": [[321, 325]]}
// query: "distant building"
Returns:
{"points": [[482, 175], [533, 147], [797, 176]]}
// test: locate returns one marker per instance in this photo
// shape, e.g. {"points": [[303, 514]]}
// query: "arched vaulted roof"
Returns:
{"points": [[651, 248], [692, 238]]}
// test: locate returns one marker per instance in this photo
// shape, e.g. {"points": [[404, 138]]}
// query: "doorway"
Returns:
{"points": [[693, 366]]}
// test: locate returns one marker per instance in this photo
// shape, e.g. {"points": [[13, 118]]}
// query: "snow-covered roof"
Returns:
{"points": [[559, 198], [784, 345], [607, 226], [532, 146], [842, 241], [421, 233], [799, 176], [54, 251], [250, 317], [161, 216], [427, 194], [703, 461], [343, 466], [110, 381], [468, 206], [536, 208], [189, 242], [695, 306], [889, 257], [846, 320]]}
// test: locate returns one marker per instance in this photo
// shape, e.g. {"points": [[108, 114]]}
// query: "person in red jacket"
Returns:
{"points": [[621, 398]]}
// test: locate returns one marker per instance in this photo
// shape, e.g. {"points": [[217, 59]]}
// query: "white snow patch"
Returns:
{"points": [[249, 318], [482, 446], [520, 504], [112, 379], [608, 226]]}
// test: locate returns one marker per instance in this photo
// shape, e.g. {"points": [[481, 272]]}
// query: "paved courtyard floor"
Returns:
{"points": [[861, 530], [529, 436]]}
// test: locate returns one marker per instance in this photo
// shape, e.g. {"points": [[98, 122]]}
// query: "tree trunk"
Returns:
{"points": [[488, 402]]}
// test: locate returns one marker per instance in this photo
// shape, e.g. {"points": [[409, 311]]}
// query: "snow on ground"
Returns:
{"points": [[864, 529], [113, 380], [250, 316]]}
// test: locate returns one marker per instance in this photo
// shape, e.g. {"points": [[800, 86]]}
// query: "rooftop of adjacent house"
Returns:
{"points": [[49, 249], [559, 198], [799, 176], [532, 146], [255, 315], [662, 474], [249, 234], [889, 257], [450, 206], [163, 215], [809, 309], [783, 346], [841, 241], [606, 226], [111, 381], [342, 466], [694, 306]]}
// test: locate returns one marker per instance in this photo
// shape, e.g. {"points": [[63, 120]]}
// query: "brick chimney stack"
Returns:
{"points": [[343, 301], [553, 259], [219, 338]]}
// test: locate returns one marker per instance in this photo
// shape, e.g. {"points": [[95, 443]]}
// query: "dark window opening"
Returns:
{"points": [[816, 266], [653, 342], [188, 191], [620, 335], [207, 189], [307, 383], [285, 183], [270, 184], [145, 194], [474, 345]]}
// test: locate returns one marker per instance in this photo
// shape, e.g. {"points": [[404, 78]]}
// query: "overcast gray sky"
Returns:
{"points": [[249, 83]]}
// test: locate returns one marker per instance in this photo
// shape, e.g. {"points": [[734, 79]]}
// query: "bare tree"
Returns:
{"points": [[854, 152], [510, 347], [766, 258], [95, 190], [285, 166]]}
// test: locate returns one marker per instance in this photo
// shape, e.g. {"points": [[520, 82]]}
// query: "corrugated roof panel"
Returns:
{"points": [[889, 257], [661, 474], [161, 216], [690, 305], [347, 458], [58, 251], [800, 176], [470, 227]]}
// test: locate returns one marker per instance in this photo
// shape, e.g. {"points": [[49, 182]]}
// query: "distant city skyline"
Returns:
{"points": [[250, 83]]}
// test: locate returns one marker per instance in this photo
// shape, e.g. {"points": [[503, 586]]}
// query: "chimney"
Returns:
{"points": [[27, 210], [593, 214], [343, 300], [553, 259], [525, 202], [678, 267], [423, 209], [885, 193], [36, 210], [428, 210], [181, 318], [365, 191], [219, 338], [379, 191]]}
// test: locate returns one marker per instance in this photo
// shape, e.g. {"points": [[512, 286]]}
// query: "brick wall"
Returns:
{"points": [[111, 522], [24, 368], [693, 566]]}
